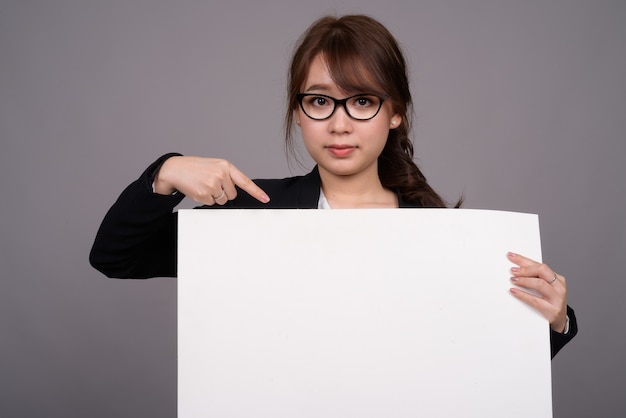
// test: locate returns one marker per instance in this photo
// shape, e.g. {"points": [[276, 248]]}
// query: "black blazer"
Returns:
{"points": [[138, 236]]}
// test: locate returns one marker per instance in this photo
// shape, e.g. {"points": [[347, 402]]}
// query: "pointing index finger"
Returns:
{"points": [[247, 185]]}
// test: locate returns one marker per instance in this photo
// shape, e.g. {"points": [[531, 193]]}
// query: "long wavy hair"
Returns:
{"points": [[362, 55]]}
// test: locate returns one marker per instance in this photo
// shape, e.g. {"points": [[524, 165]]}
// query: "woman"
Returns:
{"points": [[349, 94]]}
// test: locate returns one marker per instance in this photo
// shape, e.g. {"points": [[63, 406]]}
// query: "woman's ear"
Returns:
{"points": [[395, 121]]}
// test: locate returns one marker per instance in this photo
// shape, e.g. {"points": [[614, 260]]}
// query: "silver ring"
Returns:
{"points": [[553, 279], [220, 196]]}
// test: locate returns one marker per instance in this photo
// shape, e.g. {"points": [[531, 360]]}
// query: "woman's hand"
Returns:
{"points": [[205, 180], [550, 286]]}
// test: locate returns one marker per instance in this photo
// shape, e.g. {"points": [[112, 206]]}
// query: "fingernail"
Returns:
{"points": [[265, 198], [515, 269], [514, 279], [510, 254]]}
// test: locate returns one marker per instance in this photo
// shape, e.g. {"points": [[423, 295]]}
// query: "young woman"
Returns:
{"points": [[349, 94]]}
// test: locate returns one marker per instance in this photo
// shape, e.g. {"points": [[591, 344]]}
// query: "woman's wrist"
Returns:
{"points": [[162, 184], [562, 328]]}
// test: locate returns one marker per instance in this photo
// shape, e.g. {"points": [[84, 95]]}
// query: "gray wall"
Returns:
{"points": [[521, 105]]}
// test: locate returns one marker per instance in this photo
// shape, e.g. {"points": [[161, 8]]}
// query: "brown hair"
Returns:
{"points": [[362, 55]]}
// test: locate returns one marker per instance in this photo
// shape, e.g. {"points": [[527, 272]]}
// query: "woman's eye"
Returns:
{"points": [[319, 101], [362, 101]]}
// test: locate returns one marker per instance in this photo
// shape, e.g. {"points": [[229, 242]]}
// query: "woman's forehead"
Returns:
{"points": [[339, 75]]}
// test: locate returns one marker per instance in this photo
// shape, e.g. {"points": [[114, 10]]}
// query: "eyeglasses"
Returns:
{"points": [[322, 107]]}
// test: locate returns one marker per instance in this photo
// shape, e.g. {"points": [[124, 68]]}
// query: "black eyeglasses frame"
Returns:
{"points": [[336, 102]]}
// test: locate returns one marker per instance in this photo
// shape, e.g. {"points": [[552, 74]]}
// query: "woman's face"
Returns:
{"points": [[340, 145]]}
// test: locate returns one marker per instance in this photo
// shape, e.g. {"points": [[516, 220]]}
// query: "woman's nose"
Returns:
{"points": [[340, 122]]}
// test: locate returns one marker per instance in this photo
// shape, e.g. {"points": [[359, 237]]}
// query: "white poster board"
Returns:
{"points": [[357, 313]]}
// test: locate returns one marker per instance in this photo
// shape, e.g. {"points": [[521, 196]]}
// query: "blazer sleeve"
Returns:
{"points": [[137, 237], [558, 340]]}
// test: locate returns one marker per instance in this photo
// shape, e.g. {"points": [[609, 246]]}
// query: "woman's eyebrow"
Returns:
{"points": [[318, 87], [324, 88]]}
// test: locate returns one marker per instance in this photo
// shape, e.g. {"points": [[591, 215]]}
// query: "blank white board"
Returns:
{"points": [[357, 313]]}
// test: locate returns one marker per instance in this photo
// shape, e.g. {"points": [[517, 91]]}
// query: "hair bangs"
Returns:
{"points": [[348, 67]]}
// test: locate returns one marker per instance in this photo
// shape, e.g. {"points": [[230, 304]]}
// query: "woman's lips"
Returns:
{"points": [[341, 150]]}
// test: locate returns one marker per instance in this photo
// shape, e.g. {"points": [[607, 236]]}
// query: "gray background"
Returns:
{"points": [[521, 105]]}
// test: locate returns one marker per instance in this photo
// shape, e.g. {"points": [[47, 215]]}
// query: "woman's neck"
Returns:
{"points": [[358, 191]]}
